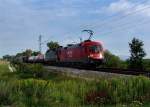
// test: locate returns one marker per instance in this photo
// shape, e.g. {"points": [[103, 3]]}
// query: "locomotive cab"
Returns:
{"points": [[94, 52]]}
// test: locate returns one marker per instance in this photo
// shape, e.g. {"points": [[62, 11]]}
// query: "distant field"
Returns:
{"points": [[3, 62]]}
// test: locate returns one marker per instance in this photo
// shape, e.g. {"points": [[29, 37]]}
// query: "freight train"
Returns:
{"points": [[87, 53]]}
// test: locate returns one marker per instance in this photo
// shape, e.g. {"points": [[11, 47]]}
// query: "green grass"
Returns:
{"points": [[3, 67], [32, 86]]}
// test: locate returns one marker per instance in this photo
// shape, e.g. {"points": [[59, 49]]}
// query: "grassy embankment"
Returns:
{"points": [[32, 86]]}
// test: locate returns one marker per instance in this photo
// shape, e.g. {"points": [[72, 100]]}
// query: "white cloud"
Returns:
{"points": [[128, 7], [120, 6]]}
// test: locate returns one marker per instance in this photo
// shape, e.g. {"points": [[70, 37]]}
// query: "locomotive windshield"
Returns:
{"points": [[96, 49]]}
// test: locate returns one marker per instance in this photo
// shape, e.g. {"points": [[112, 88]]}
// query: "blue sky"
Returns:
{"points": [[115, 23]]}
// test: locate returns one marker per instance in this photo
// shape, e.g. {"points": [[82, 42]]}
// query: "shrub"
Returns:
{"points": [[113, 61], [31, 70], [120, 91], [146, 63]]}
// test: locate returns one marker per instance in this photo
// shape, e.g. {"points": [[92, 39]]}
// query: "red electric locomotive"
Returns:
{"points": [[87, 52]]}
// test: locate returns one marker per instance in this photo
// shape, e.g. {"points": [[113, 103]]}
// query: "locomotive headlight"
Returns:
{"points": [[100, 55]]}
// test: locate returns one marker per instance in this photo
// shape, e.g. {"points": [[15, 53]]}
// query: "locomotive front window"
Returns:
{"points": [[95, 49]]}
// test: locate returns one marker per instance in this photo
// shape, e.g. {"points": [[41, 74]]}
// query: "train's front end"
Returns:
{"points": [[95, 52]]}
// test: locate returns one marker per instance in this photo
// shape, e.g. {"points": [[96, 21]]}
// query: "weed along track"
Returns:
{"points": [[35, 85]]}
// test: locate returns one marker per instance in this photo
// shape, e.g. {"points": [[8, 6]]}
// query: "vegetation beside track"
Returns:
{"points": [[31, 85]]}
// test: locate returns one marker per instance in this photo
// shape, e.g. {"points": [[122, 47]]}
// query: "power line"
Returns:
{"points": [[122, 25], [128, 15], [126, 27], [122, 17]]}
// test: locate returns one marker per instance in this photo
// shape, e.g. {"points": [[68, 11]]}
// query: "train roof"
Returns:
{"points": [[85, 43], [89, 42]]}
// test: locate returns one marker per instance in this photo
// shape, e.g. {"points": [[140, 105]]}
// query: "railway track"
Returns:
{"points": [[106, 70], [125, 71], [112, 70]]}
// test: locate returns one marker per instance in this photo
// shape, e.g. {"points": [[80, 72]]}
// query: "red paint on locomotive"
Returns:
{"points": [[85, 52]]}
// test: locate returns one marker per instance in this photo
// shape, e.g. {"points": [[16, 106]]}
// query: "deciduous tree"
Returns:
{"points": [[52, 45], [137, 54]]}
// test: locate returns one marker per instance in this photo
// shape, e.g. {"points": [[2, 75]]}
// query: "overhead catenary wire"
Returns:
{"points": [[121, 25], [126, 27], [117, 17]]}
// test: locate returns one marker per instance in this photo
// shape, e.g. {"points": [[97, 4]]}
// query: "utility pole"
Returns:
{"points": [[40, 43]]}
